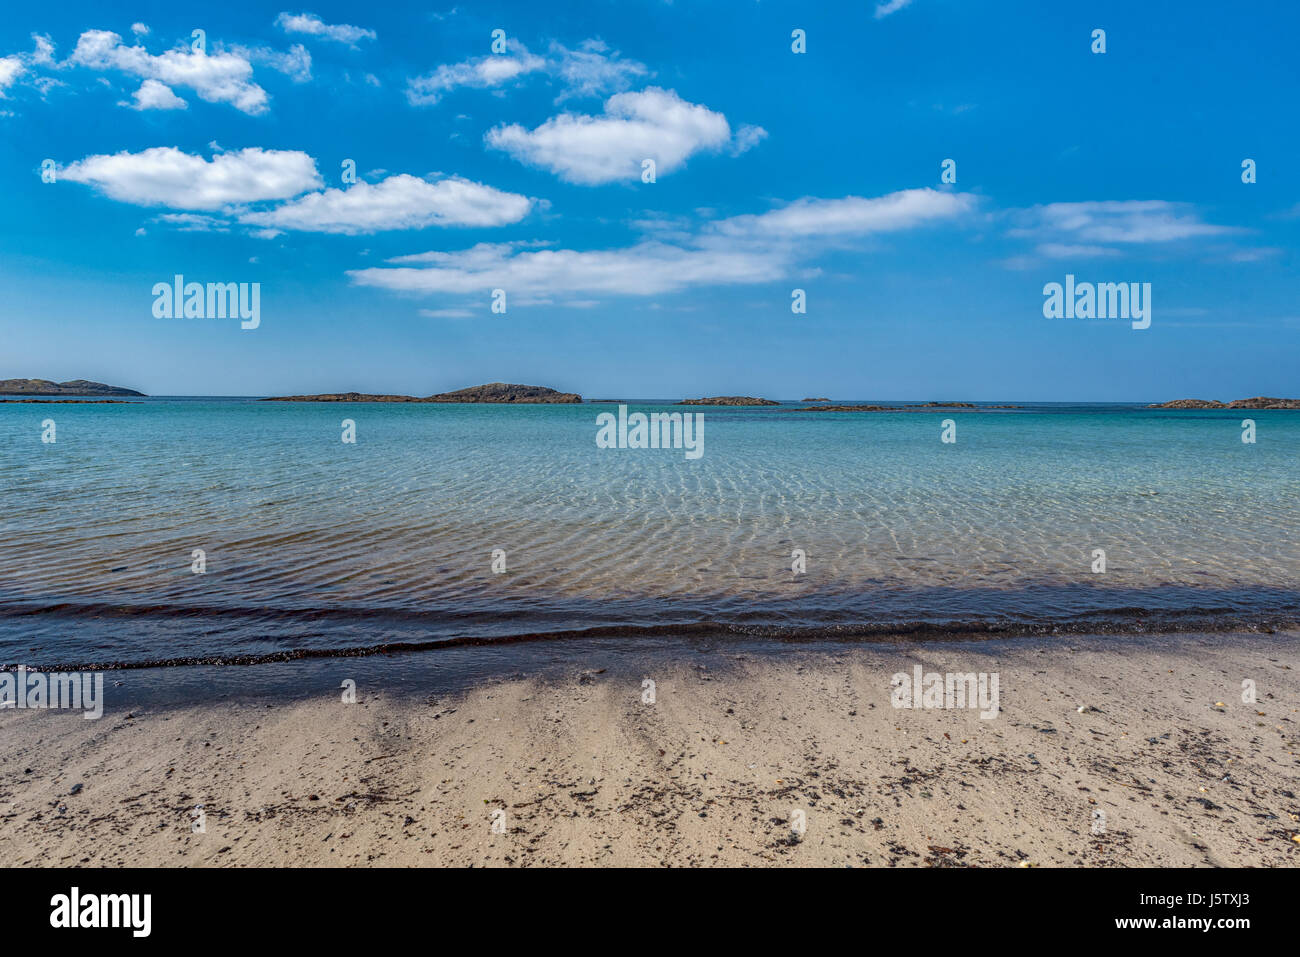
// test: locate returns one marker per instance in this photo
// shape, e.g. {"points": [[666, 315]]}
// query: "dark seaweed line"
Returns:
{"points": [[1128, 621]]}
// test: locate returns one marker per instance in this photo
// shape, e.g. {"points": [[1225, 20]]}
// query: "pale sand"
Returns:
{"points": [[710, 774]]}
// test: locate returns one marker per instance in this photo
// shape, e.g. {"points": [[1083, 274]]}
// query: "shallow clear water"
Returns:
{"points": [[315, 544]]}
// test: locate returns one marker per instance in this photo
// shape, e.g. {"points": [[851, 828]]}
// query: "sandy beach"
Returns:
{"points": [[789, 758]]}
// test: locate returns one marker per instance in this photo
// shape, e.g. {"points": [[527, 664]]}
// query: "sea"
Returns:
{"points": [[174, 531]]}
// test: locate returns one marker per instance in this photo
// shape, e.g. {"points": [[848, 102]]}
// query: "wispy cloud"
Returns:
{"points": [[591, 69], [294, 62], [492, 70], [645, 269], [193, 223], [740, 250], [1074, 251], [890, 6], [1117, 221], [1106, 228], [454, 313], [1258, 254], [311, 25], [849, 216]]}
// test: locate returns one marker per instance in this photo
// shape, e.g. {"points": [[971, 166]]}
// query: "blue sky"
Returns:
{"points": [[775, 170]]}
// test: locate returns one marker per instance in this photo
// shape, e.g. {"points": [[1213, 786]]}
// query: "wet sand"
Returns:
{"points": [[794, 757]]}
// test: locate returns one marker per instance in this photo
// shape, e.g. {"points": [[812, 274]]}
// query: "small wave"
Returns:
{"points": [[1120, 622]]}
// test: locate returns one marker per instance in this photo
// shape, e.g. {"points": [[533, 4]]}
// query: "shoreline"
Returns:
{"points": [[1121, 625], [737, 739]]}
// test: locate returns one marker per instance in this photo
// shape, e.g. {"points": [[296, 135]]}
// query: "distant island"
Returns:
{"points": [[914, 407], [728, 400], [850, 408], [823, 399], [1258, 402], [74, 387], [495, 392]]}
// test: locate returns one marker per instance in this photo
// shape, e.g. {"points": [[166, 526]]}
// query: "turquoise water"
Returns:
{"points": [[313, 544]]}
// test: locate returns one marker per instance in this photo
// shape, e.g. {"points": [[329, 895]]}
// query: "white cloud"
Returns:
{"points": [[44, 51], [592, 70], [19, 65], [165, 176], [153, 95], [11, 67], [652, 124], [219, 77], [399, 202], [312, 25], [740, 250], [139, 29], [890, 6], [482, 72]]}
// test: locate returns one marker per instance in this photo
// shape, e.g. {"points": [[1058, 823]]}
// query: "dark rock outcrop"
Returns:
{"points": [[850, 408], [498, 392], [1258, 402], [904, 408], [1189, 404], [1264, 402], [345, 397], [728, 400], [502, 392]]}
